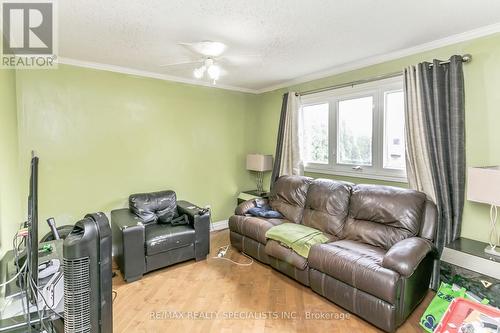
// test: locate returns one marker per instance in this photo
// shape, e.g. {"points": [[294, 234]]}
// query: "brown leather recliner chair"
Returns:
{"points": [[379, 259], [145, 237]]}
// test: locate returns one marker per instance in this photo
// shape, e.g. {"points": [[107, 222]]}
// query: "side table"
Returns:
{"points": [[251, 194], [465, 263]]}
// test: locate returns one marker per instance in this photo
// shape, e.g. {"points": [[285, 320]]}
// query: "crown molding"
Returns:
{"points": [[137, 72], [365, 62], [377, 59]]}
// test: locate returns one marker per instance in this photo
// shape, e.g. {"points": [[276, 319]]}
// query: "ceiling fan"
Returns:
{"points": [[211, 57]]}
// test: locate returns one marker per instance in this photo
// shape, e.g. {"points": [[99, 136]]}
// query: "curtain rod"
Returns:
{"points": [[465, 58]]}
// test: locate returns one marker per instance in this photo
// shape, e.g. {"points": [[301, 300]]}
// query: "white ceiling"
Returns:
{"points": [[294, 38]]}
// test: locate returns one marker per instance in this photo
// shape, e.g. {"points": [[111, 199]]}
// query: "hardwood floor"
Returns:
{"points": [[229, 298]]}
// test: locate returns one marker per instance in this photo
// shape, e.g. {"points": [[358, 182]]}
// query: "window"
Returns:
{"points": [[356, 131], [315, 137], [394, 125]]}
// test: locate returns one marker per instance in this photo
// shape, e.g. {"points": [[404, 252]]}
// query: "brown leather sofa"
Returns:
{"points": [[379, 259]]}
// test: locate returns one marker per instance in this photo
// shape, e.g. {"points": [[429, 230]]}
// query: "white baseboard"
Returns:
{"points": [[220, 225]]}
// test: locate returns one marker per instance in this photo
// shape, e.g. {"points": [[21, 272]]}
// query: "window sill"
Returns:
{"points": [[357, 174]]}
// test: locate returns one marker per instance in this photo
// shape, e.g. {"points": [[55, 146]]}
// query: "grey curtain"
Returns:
{"points": [[288, 160], [279, 141], [435, 134]]}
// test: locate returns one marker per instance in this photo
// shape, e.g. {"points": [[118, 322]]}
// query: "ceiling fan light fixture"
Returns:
{"points": [[209, 53], [214, 72], [198, 72], [208, 62]]}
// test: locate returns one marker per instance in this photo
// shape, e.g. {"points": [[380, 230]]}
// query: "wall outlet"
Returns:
{"points": [[209, 207]]}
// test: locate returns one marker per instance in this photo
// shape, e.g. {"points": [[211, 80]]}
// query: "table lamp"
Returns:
{"points": [[259, 163], [483, 185]]}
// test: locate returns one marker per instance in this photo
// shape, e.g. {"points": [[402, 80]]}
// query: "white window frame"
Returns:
{"points": [[377, 90]]}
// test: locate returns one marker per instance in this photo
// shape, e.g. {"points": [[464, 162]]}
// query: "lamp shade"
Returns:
{"points": [[259, 162], [483, 185]]}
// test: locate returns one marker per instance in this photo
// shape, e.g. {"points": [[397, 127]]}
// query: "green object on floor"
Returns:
{"points": [[438, 306], [298, 237], [440, 303]]}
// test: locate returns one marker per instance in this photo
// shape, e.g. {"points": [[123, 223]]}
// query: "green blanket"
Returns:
{"points": [[297, 237]]}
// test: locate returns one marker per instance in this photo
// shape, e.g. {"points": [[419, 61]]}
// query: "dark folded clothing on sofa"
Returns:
{"points": [[263, 209], [266, 212]]}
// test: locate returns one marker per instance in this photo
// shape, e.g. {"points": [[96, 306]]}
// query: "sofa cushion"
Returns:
{"points": [[288, 196], [383, 215], [253, 227], [278, 251], [358, 265], [165, 237], [327, 206]]}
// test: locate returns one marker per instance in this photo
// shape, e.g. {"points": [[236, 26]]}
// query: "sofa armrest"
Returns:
{"points": [[243, 207], [201, 225], [128, 243], [405, 256]]}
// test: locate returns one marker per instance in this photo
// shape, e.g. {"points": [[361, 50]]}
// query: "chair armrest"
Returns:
{"points": [[201, 225], [123, 218], [188, 208], [243, 207], [405, 256], [128, 243]]}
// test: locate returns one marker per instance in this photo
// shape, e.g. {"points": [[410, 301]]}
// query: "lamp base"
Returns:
{"points": [[493, 251], [259, 179]]}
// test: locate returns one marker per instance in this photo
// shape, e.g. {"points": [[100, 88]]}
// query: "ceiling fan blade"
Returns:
{"points": [[181, 63], [206, 48], [241, 59], [223, 72]]}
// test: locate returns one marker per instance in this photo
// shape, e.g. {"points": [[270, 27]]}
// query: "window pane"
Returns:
{"points": [[394, 131], [355, 126], [315, 133]]}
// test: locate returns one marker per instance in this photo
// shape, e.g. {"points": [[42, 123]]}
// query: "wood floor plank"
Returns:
{"points": [[218, 296]]}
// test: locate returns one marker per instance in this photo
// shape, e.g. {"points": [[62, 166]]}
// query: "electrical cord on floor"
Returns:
{"points": [[221, 252], [115, 295]]}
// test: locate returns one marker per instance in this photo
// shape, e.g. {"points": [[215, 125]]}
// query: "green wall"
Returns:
{"points": [[10, 216], [102, 136], [482, 88]]}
